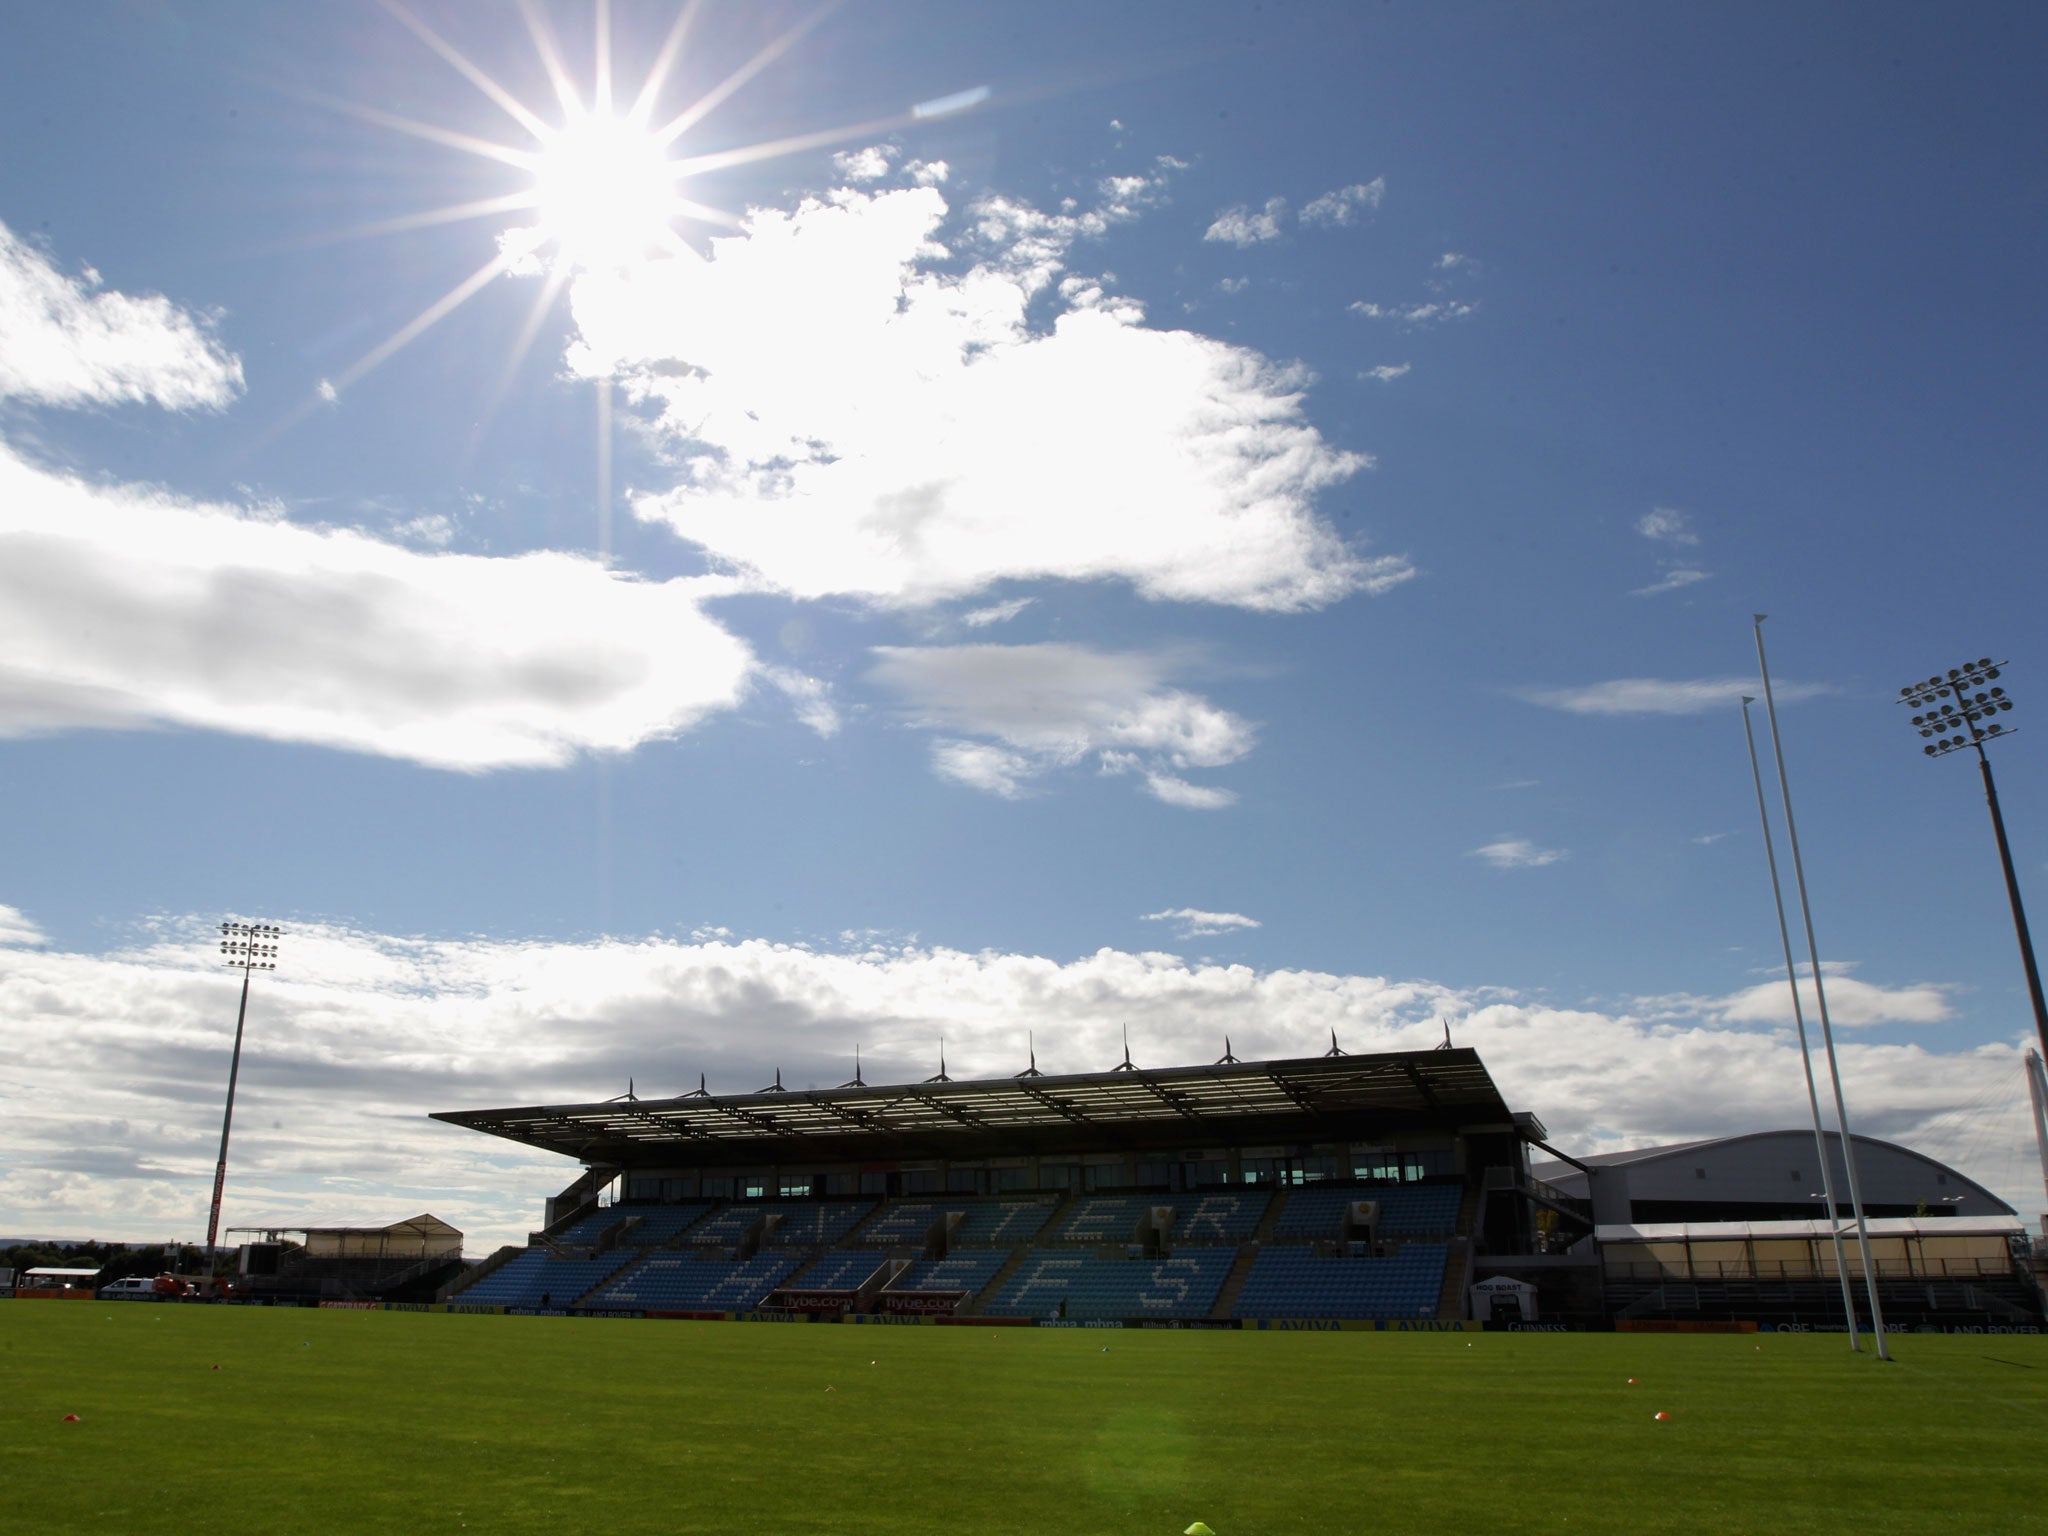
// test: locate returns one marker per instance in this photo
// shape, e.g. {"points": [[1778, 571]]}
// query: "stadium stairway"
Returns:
{"points": [[1247, 1256], [1233, 1282], [1450, 1301], [977, 1305], [470, 1276]]}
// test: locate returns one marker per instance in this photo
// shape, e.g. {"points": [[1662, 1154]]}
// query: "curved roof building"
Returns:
{"points": [[1764, 1176]]}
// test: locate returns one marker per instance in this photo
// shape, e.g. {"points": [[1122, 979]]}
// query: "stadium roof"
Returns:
{"points": [[1323, 1098]]}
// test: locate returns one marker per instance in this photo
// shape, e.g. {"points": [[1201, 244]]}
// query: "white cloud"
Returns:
{"points": [[1518, 853], [1343, 206], [1429, 312], [848, 415], [1055, 706], [1708, 839], [67, 341], [1189, 797], [1194, 923], [1664, 696], [1671, 581], [977, 764], [1241, 227], [996, 613], [1386, 373], [810, 696], [16, 928], [1670, 527], [109, 1104], [1667, 525], [1456, 261], [127, 607], [869, 164], [1233, 284], [1851, 1002], [434, 529]]}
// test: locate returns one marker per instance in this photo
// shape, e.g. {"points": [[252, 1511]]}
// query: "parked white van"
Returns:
{"points": [[134, 1288]]}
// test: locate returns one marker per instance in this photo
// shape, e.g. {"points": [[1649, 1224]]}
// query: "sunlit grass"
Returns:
{"points": [[407, 1422]]}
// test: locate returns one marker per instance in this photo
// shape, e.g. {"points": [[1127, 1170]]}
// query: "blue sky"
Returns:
{"points": [[1202, 518]]}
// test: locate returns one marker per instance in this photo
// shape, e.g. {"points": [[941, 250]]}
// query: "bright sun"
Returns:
{"points": [[605, 192], [601, 188]]}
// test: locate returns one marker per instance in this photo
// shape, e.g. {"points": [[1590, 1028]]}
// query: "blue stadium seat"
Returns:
{"points": [[537, 1273], [843, 1270], [1294, 1282], [816, 1223], [1184, 1286], [587, 1228], [899, 1222], [686, 1282], [968, 1272], [1001, 1223], [659, 1223], [1106, 1219], [1220, 1217]]}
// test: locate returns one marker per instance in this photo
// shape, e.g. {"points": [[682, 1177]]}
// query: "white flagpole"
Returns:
{"points": [[1820, 1140], [1827, 1033]]}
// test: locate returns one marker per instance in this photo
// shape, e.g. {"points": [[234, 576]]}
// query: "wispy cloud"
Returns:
{"points": [[1662, 696], [996, 613], [1192, 922], [129, 608], [1667, 525], [1386, 373], [1241, 227], [16, 929], [1345, 205], [857, 408], [1518, 853], [1427, 312], [69, 341], [1671, 581], [1045, 707], [1673, 529]]}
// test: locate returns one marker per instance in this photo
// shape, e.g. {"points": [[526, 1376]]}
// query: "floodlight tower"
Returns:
{"points": [[253, 947], [1966, 721]]}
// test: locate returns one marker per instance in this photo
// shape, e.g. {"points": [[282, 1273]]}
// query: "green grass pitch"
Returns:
{"points": [[369, 1422]]}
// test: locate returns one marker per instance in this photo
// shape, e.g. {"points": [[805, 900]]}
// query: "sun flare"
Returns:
{"points": [[600, 187], [605, 193]]}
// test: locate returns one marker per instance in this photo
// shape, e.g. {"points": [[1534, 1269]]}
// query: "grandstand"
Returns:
{"points": [[1344, 1187], [1386, 1190]]}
